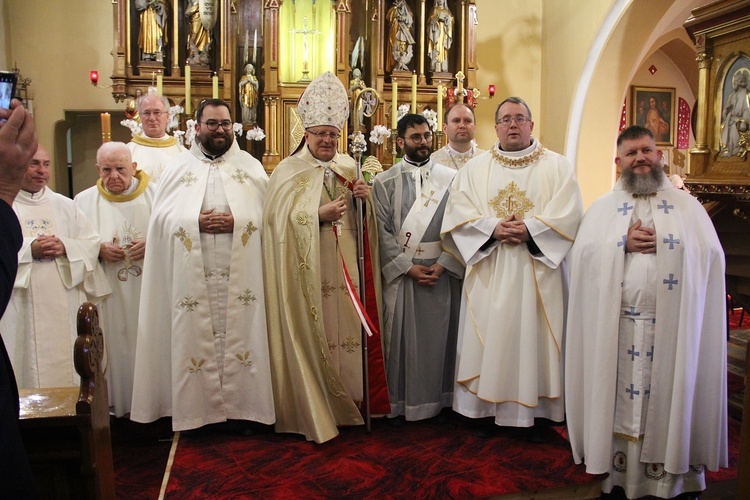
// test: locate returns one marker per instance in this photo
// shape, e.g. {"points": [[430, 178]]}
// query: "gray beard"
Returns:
{"points": [[642, 184]]}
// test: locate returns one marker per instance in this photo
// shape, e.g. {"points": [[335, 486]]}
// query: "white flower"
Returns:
{"points": [[256, 134], [189, 132], [403, 109], [677, 182], [431, 117], [379, 134], [237, 128], [173, 122], [180, 136], [134, 126]]}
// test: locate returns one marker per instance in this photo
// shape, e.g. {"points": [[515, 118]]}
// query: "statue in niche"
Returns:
{"points": [[248, 90], [198, 37], [735, 117], [152, 35], [356, 85], [400, 36], [440, 35]]}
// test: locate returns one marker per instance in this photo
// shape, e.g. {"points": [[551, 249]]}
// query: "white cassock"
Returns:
{"points": [[645, 354], [39, 326], [152, 155], [120, 219], [202, 349], [509, 359]]}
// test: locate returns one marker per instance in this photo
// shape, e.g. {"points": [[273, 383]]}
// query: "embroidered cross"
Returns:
{"points": [[632, 312], [650, 353], [240, 176], [429, 198], [632, 391], [672, 241], [671, 281], [188, 179], [350, 345], [419, 251], [665, 207], [633, 353], [247, 297], [188, 303], [326, 288], [625, 208], [623, 242]]}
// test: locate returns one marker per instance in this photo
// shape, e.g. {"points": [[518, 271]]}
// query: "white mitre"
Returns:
{"points": [[324, 102]]}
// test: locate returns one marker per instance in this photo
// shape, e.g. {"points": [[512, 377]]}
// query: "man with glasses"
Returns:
{"points": [[153, 148], [310, 253], [421, 279], [202, 349], [459, 125], [513, 213]]}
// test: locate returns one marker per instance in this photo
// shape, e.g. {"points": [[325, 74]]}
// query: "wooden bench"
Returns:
{"points": [[66, 429]]}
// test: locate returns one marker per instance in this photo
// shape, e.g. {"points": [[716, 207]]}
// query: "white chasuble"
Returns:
{"points": [[510, 338], [647, 398], [120, 219], [179, 370], [152, 155], [39, 326]]}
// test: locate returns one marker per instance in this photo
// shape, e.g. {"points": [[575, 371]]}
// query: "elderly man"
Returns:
{"points": [[202, 349], [58, 270], [645, 353], [513, 213], [153, 148], [119, 207], [310, 253], [459, 125], [421, 279]]}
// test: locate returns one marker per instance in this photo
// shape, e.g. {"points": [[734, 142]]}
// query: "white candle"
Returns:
{"points": [[215, 82], [159, 82], [394, 105], [187, 90], [440, 107], [245, 53], [255, 45], [414, 92]]}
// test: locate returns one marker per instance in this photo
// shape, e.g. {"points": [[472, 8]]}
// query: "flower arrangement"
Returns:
{"points": [[256, 134], [189, 132], [431, 117], [180, 136], [134, 126], [379, 134], [173, 122], [237, 129], [403, 109]]}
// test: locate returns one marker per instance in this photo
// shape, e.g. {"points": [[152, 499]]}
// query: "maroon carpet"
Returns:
{"points": [[140, 453]]}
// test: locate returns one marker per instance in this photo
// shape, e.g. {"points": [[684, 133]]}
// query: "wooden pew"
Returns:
{"points": [[66, 429]]}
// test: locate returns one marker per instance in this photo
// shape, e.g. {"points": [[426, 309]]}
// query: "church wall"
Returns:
{"points": [[4, 37]]}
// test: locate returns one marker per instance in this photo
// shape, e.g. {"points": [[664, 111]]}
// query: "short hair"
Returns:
{"points": [[210, 102], [633, 132], [139, 101], [410, 120], [458, 104], [111, 147], [514, 100]]}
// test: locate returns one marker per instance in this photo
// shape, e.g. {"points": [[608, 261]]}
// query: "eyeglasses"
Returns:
{"points": [[334, 136], [505, 120], [156, 114], [416, 138], [213, 124]]}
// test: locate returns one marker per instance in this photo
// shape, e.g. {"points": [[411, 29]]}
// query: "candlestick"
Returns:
{"points": [[255, 45], [159, 83], [440, 107], [394, 105], [106, 128], [187, 90], [246, 52], [414, 92], [215, 81]]}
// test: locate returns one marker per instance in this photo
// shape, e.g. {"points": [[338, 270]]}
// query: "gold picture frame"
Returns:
{"points": [[654, 108]]}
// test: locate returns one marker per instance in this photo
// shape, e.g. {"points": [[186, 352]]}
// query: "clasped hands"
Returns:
{"points": [[511, 231], [213, 222], [641, 239], [112, 252], [47, 247], [426, 275]]}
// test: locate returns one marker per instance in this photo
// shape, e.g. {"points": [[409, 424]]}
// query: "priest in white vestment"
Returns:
{"points": [[422, 280], [310, 246], [513, 213], [58, 270], [459, 126], [119, 207], [202, 348], [153, 148], [645, 354]]}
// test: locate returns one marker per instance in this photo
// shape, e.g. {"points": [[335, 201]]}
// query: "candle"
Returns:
{"points": [[245, 52], [159, 82], [187, 90], [440, 106], [106, 128], [414, 92], [255, 45], [394, 106], [215, 86]]}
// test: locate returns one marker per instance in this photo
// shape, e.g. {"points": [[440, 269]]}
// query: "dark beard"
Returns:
{"points": [[642, 184], [418, 154], [210, 146]]}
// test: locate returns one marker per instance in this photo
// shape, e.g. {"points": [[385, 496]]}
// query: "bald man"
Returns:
{"points": [[119, 207], [153, 148]]}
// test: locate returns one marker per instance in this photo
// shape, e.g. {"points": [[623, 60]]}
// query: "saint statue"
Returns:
{"points": [[440, 35], [356, 85], [400, 36], [735, 117], [152, 35], [198, 37], [249, 95]]}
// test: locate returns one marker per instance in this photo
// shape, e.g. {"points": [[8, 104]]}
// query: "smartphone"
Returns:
{"points": [[8, 81]]}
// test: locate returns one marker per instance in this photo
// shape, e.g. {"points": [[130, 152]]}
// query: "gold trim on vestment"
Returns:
{"points": [[150, 142], [465, 381], [541, 301], [143, 180], [625, 437], [553, 228], [461, 224], [522, 162]]}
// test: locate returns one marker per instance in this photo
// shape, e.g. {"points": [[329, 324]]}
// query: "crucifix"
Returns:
{"points": [[304, 32], [460, 86]]}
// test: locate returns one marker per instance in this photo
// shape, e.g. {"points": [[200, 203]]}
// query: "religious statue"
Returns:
{"points": [[735, 117], [356, 85], [198, 36], [400, 36], [440, 35], [249, 95], [152, 35]]}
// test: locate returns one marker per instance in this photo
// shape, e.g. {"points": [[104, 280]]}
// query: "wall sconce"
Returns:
{"points": [[491, 91], [94, 78]]}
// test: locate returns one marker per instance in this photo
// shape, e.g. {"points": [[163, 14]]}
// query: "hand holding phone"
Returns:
{"points": [[8, 80]]}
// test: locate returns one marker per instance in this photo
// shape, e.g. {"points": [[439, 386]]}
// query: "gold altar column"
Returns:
{"points": [[700, 153]]}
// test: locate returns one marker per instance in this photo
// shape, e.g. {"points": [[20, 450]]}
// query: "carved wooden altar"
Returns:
{"points": [[291, 42]]}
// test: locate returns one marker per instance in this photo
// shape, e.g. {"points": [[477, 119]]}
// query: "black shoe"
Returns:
{"points": [[486, 431], [398, 421]]}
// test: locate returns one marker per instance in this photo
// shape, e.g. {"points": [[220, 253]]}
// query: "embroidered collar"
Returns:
{"points": [[644, 196], [163, 142], [519, 159], [143, 180]]}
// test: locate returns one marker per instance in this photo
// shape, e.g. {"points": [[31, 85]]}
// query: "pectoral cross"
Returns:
{"points": [[304, 32], [429, 198]]}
